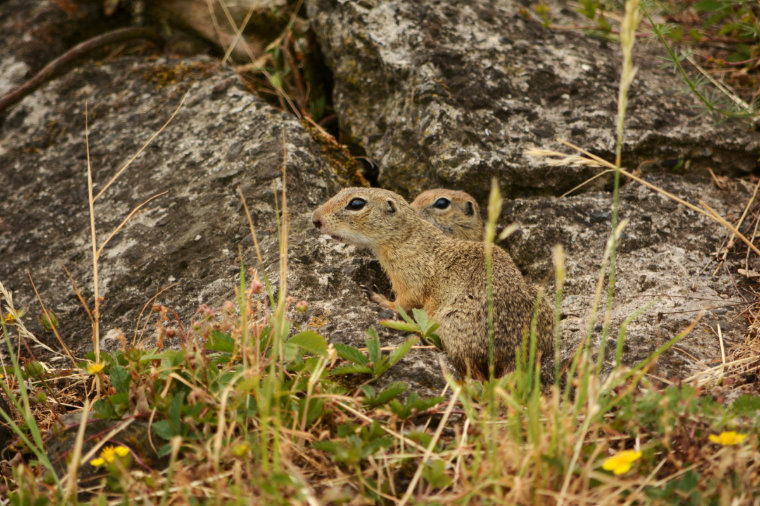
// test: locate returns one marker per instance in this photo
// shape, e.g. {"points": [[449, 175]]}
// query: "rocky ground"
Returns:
{"points": [[431, 104]]}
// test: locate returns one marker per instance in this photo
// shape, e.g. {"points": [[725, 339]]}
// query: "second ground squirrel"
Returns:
{"points": [[454, 212], [444, 276]]}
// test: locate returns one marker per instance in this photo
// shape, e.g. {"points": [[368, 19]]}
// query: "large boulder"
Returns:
{"points": [[188, 241], [668, 268], [452, 94]]}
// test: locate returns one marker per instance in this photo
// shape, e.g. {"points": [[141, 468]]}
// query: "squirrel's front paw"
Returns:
{"points": [[380, 299]]}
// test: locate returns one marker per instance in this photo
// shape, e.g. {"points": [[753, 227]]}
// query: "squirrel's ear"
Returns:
{"points": [[470, 209], [391, 207]]}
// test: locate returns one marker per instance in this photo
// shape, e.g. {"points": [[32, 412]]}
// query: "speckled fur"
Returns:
{"points": [[446, 277], [461, 219]]}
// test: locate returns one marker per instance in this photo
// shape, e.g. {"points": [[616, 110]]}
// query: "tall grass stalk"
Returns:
{"points": [[455, 389], [23, 406], [585, 347], [558, 258], [494, 210], [94, 314], [269, 391], [94, 245], [76, 454], [628, 27], [176, 444], [91, 198], [627, 38]]}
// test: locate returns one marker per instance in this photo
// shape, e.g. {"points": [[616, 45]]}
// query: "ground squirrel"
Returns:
{"points": [[455, 212], [444, 276]]}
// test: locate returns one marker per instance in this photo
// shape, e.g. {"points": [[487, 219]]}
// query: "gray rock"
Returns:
{"points": [[452, 94], [666, 265], [190, 239]]}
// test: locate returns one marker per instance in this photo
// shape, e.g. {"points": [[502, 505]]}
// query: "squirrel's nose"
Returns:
{"points": [[316, 218]]}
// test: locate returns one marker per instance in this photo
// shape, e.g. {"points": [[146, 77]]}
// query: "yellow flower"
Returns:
{"points": [[729, 438], [621, 462], [11, 318], [95, 367], [241, 449], [109, 453]]}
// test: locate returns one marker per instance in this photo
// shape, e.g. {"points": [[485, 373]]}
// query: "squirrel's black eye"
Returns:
{"points": [[356, 204], [442, 203]]}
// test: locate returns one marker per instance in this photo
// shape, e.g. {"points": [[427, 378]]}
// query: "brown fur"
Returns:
{"points": [[444, 276], [460, 218]]}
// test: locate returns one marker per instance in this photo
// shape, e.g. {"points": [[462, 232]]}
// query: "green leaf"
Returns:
{"points": [[351, 369], [742, 52], [120, 378], [602, 24], [104, 409], [340, 452], [696, 35], [220, 341], [403, 314], [398, 409], [310, 341], [709, 5], [120, 402], [152, 355], [421, 317], [420, 437], [418, 405], [326, 446], [290, 352], [435, 474], [368, 390], [163, 429], [402, 350], [165, 450], [435, 340], [316, 407], [346, 429], [314, 410], [746, 405], [175, 411], [676, 34], [276, 80], [173, 358], [397, 325], [376, 445], [391, 391], [373, 345], [351, 354], [588, 8], [413, 405]]}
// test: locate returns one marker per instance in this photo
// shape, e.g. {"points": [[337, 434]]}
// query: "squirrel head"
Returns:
{"points": [[367, 217], [454, 212]]}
